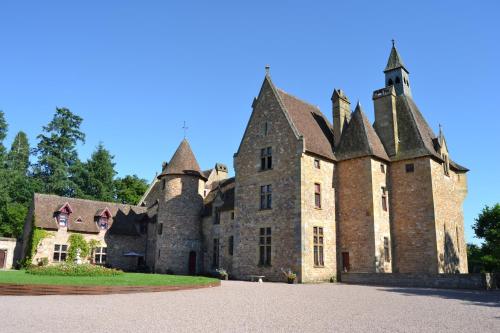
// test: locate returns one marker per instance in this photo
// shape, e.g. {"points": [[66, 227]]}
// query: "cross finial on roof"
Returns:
{"points": [[267, 69], [393, 42], [185, 128]]}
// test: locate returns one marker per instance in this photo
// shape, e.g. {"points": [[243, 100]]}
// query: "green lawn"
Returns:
{"points": [[126, 279]]}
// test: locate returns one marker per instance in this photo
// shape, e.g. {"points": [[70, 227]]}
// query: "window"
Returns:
{"points": [[160, 228], [100, 255], [62, 219], [398, 80], [266, 199], [215, 259], [79, 220], [458, 242], [387, 253], [384, 199], [317, 164], [389, 83], [317, 195], [267, 127], [265, 247], [231, 246], [266, 158], [382, 168], [446, 165], [217, 215], [318, 247], [232, 215], [409, 167], [60, 252], [103, 222]]}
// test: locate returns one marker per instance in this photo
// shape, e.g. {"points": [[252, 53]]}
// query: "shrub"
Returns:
{"points": [[76, 241], [72, 269], [333, 279]]}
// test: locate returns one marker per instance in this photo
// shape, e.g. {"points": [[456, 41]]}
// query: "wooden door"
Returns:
{"points": [[345, 262], [3, 258], [192, 263]]}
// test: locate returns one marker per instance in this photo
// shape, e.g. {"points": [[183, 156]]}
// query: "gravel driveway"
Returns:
{"points": [[251, 307]]}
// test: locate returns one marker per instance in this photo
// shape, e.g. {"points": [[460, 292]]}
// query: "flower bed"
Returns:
{"points": [[70, 269]]}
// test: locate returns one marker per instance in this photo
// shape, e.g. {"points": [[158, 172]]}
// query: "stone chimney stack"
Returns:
{"points": [[341, 114], [386, 123]]}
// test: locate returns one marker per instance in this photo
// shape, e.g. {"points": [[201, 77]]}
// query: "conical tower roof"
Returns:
{"points": [[183, 162], [394, 60], [360, 139]]}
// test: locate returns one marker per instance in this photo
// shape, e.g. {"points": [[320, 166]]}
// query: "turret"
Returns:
{"points": [[396, 73], [341, 114]]}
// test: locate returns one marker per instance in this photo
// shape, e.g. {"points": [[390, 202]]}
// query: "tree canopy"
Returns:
{"points": [[130, 189], [486, 227]]}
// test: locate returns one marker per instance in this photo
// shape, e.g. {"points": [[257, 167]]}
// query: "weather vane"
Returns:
{"points": [[185, 128]]}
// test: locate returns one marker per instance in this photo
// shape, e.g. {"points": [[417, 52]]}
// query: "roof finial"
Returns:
{"points": [[185, 128], [267, 70], [393, 42]]}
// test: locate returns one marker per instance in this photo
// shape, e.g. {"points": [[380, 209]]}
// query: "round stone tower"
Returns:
{"points": [[178, 242]]}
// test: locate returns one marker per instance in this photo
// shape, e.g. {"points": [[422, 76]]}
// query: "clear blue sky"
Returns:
{"points": [[135, 70]]}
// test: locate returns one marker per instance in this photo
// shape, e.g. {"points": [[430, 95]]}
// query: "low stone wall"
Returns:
{"points": [[422, 280], [40, 290]]}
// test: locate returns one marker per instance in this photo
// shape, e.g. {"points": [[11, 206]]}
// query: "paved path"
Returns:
{"points": [[254, 307]]}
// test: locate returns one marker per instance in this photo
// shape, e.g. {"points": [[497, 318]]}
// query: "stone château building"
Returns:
{"points": [[308, 195]]}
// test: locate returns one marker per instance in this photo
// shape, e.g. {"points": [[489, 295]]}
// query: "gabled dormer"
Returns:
{"points": [[102, 218], [62, 215]]}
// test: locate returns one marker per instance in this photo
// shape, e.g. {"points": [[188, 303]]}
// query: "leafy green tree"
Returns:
{"points": [[3, 134], [18, 159], [96, 176], [487, 227], [57, 153], [130, 189]]}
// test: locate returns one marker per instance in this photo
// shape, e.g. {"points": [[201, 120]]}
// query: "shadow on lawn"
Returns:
{"points": [[475, 297]]}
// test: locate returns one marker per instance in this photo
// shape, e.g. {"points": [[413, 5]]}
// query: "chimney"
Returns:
{"points": [[386, 123], [341, 114]]}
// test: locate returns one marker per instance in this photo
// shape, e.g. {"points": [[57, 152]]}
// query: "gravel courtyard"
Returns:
{"points": [[253, 307]]}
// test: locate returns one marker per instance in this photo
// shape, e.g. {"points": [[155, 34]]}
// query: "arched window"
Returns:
{"points": [[389, 83], [398, 80]]}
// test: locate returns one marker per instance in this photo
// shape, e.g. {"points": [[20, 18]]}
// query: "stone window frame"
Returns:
{"points": [[100, 255], [317, 163], [230, 248], [266, 197], [317, 195], [60, 252], [409, 167], [387, 250], [266, 158], [382, 167], [160, 228], [384, 199], [446, 165], [318, 246], [215, 253], [265, 246], [232, 215], [267, 128]]}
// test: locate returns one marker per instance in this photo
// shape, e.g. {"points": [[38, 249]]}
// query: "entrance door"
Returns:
{"points": [[192, 263], [3, 258], [345, 261]]}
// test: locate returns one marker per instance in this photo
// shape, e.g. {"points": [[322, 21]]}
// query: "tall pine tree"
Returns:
{"points": [[3, 134], [57, 155], [18, 158]]}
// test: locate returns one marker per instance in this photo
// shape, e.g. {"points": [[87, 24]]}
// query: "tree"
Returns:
{"points": [[57, 152], [18, 159], [96, 177], [130, 189], [487, 227]]}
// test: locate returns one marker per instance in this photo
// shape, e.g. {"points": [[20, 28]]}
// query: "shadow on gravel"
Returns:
{"points": [[484, 298]]}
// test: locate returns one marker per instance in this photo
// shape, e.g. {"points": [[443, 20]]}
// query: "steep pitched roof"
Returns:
{"points": [[360, 139], [46, 207], [183, 162], [311, 123], [394, 60], [226, 189]]}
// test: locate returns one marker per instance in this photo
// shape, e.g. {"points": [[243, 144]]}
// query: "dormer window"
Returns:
{"points": [[102, 218], [62, 219], [103, 222], [79, 220]]}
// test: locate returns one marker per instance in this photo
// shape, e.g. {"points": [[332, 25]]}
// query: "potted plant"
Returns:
{"points": [[290, 276], [222, 273]]}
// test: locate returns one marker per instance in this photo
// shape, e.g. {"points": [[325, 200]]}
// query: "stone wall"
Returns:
{"points": [[412, 217], [449, 192], [222, 232], [313, 217], [421, 280], [285, 176], [118, 245], [9, 245]]}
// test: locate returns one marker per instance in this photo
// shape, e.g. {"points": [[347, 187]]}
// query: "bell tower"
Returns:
{"points": [[396, 73]]}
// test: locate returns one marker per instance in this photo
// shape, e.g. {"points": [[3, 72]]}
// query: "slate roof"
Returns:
{"points": [[311, 123], [394, 60], [183, 162], [359, 139], [46, 207]]}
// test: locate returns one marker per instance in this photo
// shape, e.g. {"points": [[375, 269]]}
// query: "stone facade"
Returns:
{"points": [[308, 196], [10, 253]]}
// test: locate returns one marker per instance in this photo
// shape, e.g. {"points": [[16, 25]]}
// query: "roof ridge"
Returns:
{"points": [[299, 99], [86, 200]]}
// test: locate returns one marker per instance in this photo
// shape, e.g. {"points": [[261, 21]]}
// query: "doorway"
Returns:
{"points": [[3, 258], [192, 263], [345, 262]]}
